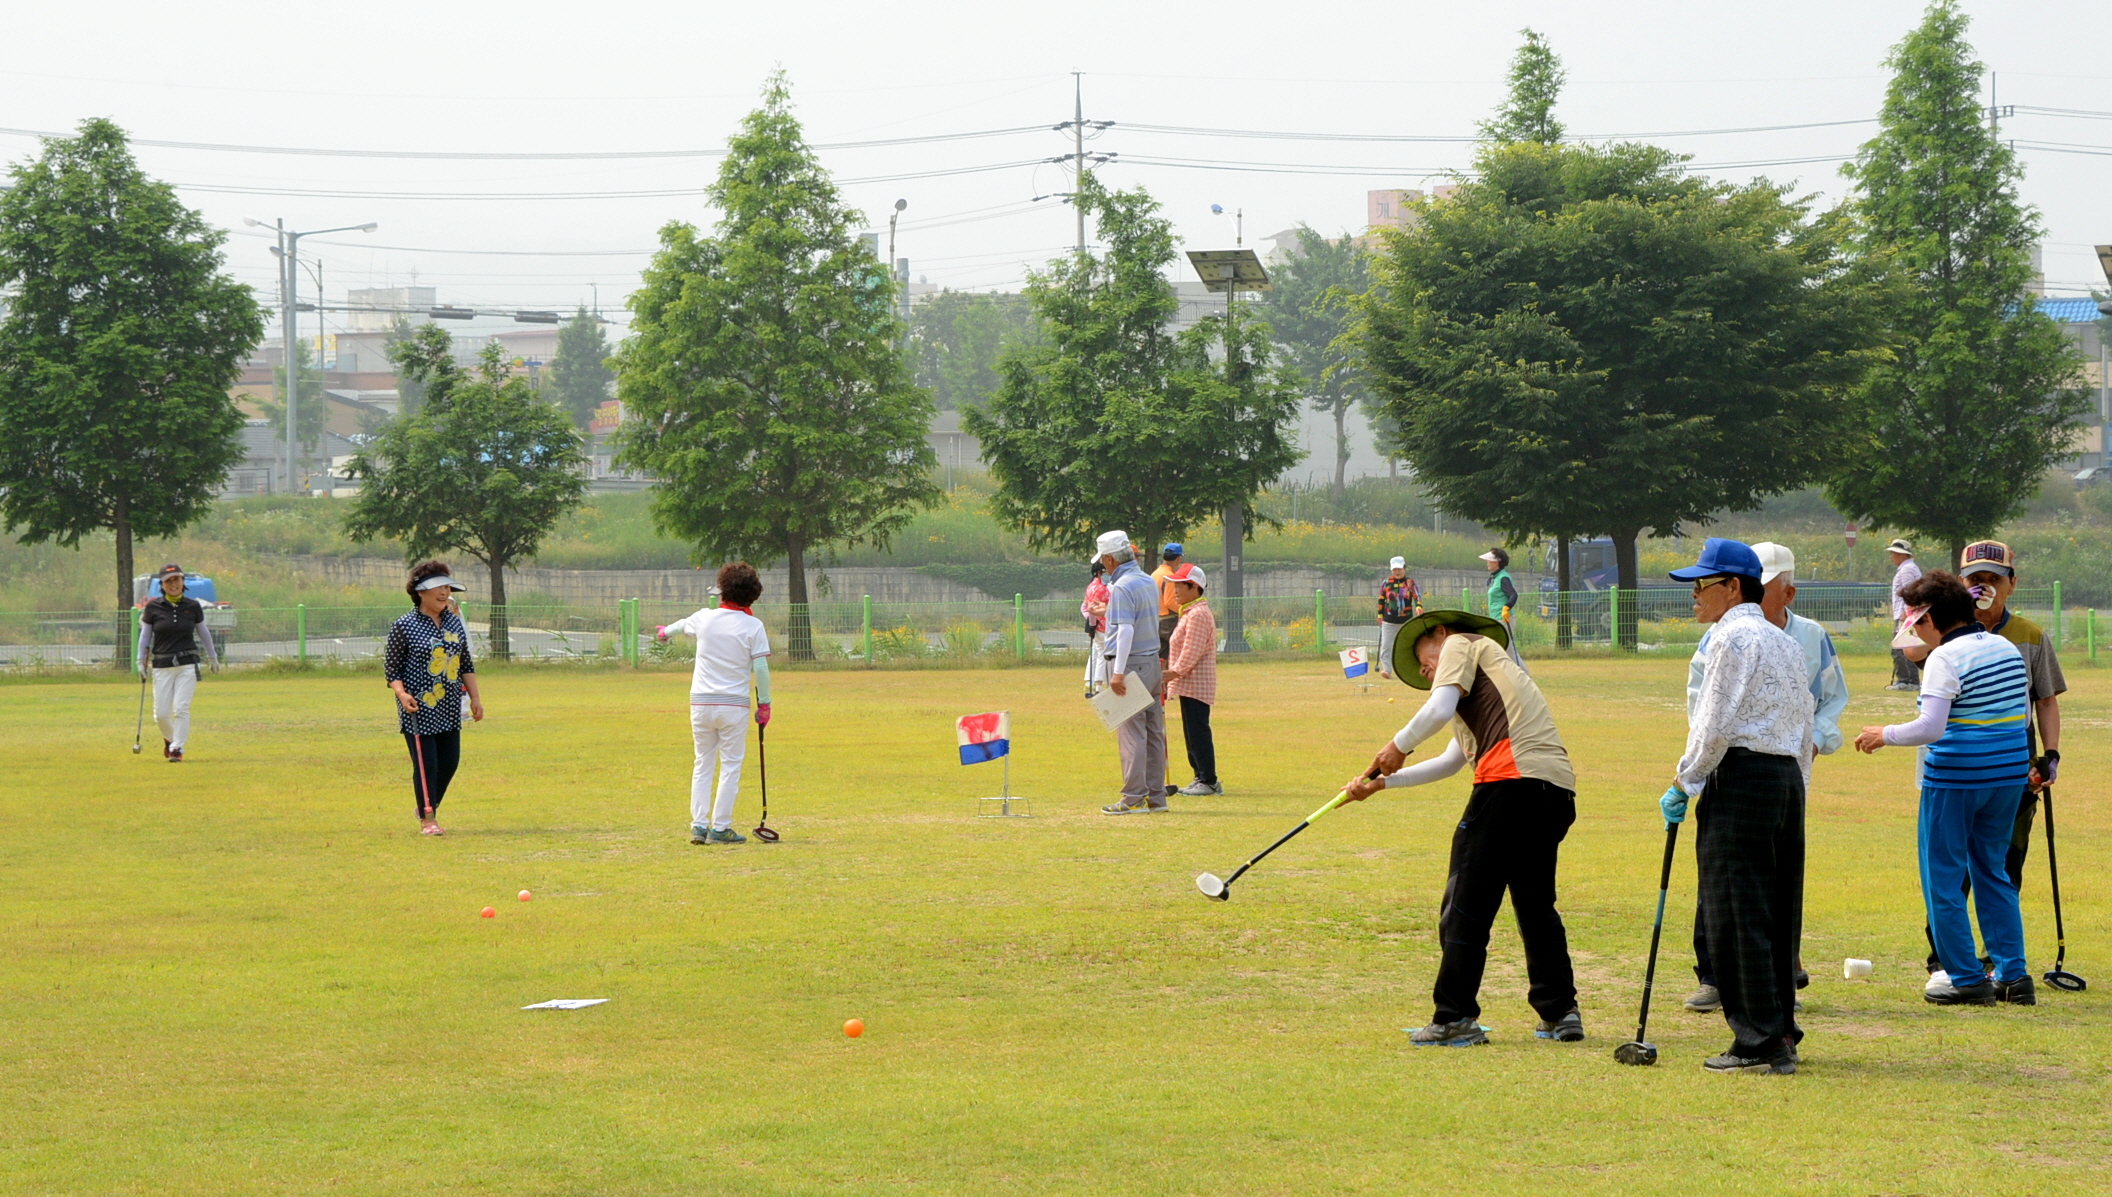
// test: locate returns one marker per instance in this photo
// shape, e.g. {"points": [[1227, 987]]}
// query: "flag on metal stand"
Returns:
{"points": [[984, 738]]}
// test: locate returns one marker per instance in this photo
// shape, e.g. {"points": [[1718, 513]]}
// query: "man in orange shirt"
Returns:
{"points": [[1521, 807], [1169, 606]]}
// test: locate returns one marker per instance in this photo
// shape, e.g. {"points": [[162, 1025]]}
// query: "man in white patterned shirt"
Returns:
{"points": [[1747, 758]]}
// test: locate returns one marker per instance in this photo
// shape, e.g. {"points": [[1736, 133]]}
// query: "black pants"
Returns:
{"points": [[1904, 671], [1507, 839], [433, 761], [2013, 862], [1166, 625], [1749, 843], [1195, 729]]}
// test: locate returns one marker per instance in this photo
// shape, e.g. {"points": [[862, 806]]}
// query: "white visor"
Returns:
{"points": [[436, 583]]}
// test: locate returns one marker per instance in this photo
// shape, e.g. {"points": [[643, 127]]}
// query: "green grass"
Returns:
{"points": [[249, 975]]}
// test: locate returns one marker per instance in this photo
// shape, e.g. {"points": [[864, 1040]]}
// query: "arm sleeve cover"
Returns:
{"points": [[1927, 728], [761, 670], [1442, 705], [1437, 768]]}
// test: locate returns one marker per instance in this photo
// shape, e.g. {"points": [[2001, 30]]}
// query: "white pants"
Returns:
{"points": [[721, 735], [173, 688]]}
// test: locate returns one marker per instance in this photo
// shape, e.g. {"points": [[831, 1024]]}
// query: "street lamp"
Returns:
{"points": [[894, 268], [289, 251]]}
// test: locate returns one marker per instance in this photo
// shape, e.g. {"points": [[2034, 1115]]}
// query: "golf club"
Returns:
{"points": [[1222, 890], [762, 760], [2057, 976], [1640, 1050], [140, 723]]}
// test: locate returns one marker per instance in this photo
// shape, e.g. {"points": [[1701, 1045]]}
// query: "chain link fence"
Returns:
{"points": [[1021, 630]]}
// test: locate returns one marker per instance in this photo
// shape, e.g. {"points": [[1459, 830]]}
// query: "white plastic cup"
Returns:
{"points": [[1852, 968]]}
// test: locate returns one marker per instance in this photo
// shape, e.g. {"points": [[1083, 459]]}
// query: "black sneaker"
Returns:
{"points": [[2019, 992], [1983, 994], [1567, 1029], [1464, 1033], [1706, 1000], [1781, 1064], [1803, 978]]}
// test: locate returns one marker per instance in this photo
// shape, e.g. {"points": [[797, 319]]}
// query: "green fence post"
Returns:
{"points": [[300, 630], [2056, 617], [637, 624], [1019, 626], [2090, 632], [868, 629], [1320, 621], [627, 630], [1613, 616]]}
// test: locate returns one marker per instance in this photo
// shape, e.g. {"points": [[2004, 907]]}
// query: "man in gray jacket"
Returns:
{"points": [[1132, 646]]}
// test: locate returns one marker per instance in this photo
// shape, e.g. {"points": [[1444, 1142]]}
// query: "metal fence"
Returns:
{"points": [[1658, 619]]}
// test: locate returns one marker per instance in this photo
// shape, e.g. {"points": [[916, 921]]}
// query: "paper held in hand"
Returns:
{"points": [[1117, 709]]}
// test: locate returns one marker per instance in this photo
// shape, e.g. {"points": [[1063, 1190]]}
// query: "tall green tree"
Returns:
{"points": [[957, 339], [312, 415], [580, 379], [410, 393], [119, 343], [485, 467], [1310, 308], [761, 383], [1117, 422], [1953, 434], [1588, 340], [1528, 113]]}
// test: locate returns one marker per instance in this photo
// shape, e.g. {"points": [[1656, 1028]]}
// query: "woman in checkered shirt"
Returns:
{"points": [[1191, 676]]}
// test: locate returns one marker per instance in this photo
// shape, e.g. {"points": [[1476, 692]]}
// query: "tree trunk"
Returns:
{"points": [[1624, 565], [121, 523], [1564, 632], [799, 627], [1341, 448], [1950, 563], [501, 638]]}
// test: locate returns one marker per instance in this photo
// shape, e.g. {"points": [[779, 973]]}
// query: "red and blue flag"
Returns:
{"points": [[985, 737]]}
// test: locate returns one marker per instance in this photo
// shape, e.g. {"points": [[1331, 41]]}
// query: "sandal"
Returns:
{"points": [[429, 829]]}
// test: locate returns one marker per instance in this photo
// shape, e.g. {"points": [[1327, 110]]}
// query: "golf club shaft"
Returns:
{"points": [[1657, 930], [139, 727], [762, 760], [2053, 869], [1331, 804]]}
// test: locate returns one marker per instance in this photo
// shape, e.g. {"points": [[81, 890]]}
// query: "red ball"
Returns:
{"points": [[854, 1027], [489, 913]]}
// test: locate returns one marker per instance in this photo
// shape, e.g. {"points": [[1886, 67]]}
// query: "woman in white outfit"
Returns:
{"points": [[732, 648]]}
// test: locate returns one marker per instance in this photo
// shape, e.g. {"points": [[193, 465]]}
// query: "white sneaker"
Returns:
{"points": [[1199, 789], [1937, 980]]}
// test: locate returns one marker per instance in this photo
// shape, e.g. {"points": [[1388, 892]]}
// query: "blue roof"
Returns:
{"points": [[2070, 311]]}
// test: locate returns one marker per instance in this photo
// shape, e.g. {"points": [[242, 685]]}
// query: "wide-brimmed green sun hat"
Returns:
{"points": [[1403, 663]]}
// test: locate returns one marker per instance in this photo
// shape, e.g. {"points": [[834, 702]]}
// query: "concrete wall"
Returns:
{"points": [[887, 584]]}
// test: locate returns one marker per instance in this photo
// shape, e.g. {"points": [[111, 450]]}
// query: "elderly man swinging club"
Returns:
{"points": [[1131, 646], [1746, 756], [1521, 807]]}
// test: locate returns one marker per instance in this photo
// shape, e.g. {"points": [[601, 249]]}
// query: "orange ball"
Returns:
{"points": [[489, 913], [525, 895], [854, 1027]]}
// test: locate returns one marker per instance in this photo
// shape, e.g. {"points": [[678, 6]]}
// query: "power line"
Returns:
{"points": [[644, 193], [1200, 131], [532, 156]]}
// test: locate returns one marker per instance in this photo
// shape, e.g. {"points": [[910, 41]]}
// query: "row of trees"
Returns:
{"points": [[1578, 340]]}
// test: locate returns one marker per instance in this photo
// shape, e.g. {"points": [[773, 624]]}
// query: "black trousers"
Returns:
{"points": [[1195, 729], [1904, 671], [1506, 840], [1166, 625], [433, 761], [1749, 843], [2013, 862]]}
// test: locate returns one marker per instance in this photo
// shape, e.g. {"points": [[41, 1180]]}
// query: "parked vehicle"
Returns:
{"points": [[219, 616]]}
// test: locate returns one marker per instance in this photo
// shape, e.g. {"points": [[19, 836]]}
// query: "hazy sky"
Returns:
{"points": [[538, 77]]}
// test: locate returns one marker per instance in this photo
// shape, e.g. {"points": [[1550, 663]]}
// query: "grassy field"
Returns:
{"points": [[249, 974]]}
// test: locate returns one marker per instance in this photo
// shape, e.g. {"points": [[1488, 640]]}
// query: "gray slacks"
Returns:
{"points": [[1142, 739]]}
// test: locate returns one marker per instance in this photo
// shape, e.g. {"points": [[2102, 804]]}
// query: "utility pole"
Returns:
{"points": [[1078, 153], [289, 250]]}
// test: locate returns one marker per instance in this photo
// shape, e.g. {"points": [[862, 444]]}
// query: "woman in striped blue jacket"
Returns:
{"points": [[1974, 705]]}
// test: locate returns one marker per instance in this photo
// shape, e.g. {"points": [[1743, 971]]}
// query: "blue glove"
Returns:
{"points": [[1674, 805]]}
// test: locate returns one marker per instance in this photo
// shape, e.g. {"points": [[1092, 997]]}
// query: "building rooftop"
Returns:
{"points": [[2071, 311]]}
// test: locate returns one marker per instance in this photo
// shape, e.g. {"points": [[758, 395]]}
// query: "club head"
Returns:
{"points": [[1635, 1051], [135, 752], [1213, 888], [2061, 978], [766, 835]]}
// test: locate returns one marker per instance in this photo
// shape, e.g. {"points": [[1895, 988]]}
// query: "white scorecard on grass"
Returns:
{"points": [[566, 1004], [1210, 885]]}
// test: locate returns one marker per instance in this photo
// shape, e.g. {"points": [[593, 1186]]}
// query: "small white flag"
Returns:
{"points": [[1354, 663]]}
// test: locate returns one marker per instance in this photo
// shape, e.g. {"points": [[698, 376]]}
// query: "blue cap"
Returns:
{"points": [[1720, 556], [1172, 549]]}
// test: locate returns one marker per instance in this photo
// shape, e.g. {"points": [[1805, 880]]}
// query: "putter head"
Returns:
{"points": [[1635, 1051], [135, 752], [766, 835], [1213, 888], [2061, 978]]}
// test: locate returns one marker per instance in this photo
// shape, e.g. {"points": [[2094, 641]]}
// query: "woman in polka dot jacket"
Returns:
{"points": [[428, 667]]}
